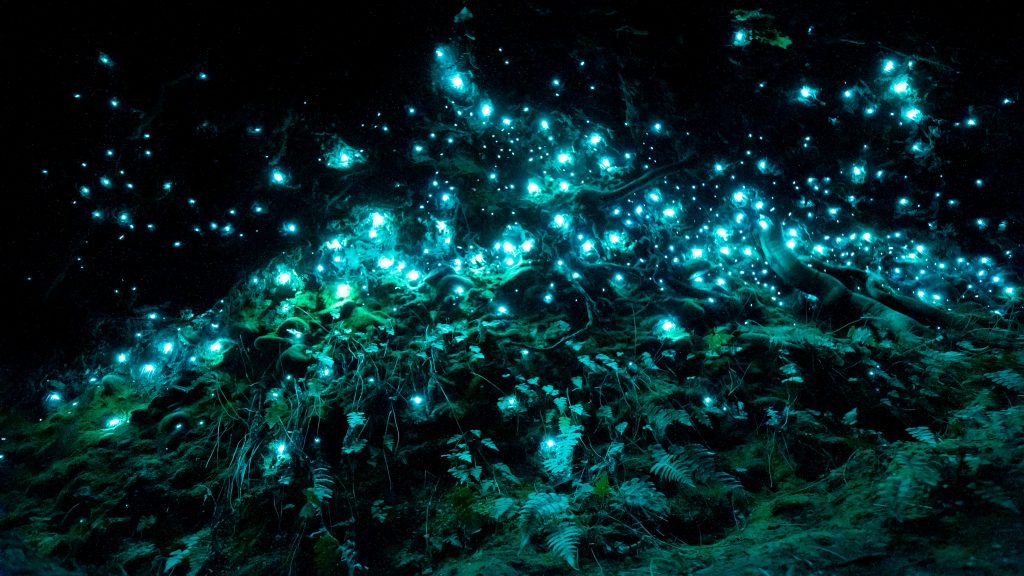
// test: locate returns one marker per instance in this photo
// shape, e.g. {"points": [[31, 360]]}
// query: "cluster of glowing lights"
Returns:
{"points": [[720, 234]]}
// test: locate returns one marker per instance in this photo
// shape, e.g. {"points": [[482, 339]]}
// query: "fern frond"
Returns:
{"points": [[641, 495], [503, 508], [355, 419], [994, 494], [923, 434], [542, 508], [685, 465], [564, 542], [660, 419], [548, 510], [1007, 379], [558, 458], [912, 474], [322, 483]]}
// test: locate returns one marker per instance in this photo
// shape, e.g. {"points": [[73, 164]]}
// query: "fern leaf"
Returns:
{"points": [[686, 465], [662, 418], [912, 474], [641, 495], [356, 419], [543, 508], [1007, 379], [994, 494], [558, 457], [503, 508], [564, 542], [923, 434]]}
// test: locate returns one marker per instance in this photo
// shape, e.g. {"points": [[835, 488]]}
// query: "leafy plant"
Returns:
{"points": [[686, 465], [910, 478], [641, 496], [558, 455], [550, 511]]}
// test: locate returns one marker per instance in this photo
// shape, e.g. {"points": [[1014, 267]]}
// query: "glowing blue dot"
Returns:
{"points": [[595, 139], [972, 122], [114, 102], [888, 66], [148, 369], [563, 158], [544, 125], [105, 60], [901, 87], [216, 347], [203, 76], [486, 110], [167, 348], [847, 93], [657, 126], [278, 177], [912, 114], [457, 82], [106, 182], [114, 422], [417, 400], [808, 93]]}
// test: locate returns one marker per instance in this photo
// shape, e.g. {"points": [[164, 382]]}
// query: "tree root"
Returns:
{"points": [[837, 300]]}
